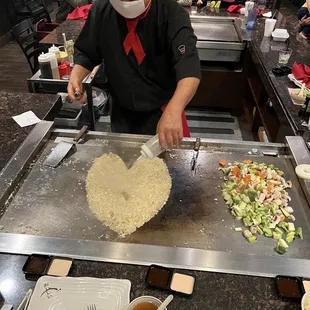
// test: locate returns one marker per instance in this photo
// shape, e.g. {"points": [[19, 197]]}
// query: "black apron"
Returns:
{"points": [[133, 122]]}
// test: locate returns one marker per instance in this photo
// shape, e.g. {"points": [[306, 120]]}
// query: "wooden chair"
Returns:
{"points": [[21, 9], [28, 41]]}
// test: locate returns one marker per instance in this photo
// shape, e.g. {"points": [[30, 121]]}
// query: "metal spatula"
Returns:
{"points": [[62, 149]]}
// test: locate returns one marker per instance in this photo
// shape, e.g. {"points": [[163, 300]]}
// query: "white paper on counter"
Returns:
{"points": [[26, 119]]}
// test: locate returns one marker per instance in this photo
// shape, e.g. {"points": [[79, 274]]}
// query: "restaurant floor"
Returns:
{"points": [[209, 124], [14, 69]]}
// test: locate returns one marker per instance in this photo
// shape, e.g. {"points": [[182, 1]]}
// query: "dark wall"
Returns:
{"points": [[7, 16]]}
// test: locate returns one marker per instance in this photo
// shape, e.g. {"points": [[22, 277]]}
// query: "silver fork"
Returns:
{"points": [[92, 307]]}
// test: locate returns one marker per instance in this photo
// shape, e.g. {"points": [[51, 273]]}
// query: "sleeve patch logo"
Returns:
{"points": [[182, 49]]}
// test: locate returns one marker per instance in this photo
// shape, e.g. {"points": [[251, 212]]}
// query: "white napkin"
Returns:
{"points": [[26, 119], [268, 14]]}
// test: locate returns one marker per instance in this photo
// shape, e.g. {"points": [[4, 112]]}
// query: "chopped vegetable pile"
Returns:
{"points": [[256, 194]]}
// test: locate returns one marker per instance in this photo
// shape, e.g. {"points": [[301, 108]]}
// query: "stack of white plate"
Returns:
{"points": [[67, 293]]}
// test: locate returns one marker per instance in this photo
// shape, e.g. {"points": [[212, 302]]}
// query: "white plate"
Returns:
{"points": [[52, 293], [298, 83]]}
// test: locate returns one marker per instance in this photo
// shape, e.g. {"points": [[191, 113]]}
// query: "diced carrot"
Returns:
{"points": [[248, 161], [222, 163], [238, 179], [259, 174], [269, 187], [282, 218], [235, 171], [247, 179]]}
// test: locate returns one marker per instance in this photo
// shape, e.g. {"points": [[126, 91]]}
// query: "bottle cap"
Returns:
{"points": [[43, 58], [54, 49], [62, 66]]}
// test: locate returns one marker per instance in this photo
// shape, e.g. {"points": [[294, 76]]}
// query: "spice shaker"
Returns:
{"points": [[45, 66], [70, 51], [151, 148], [64, 70]]}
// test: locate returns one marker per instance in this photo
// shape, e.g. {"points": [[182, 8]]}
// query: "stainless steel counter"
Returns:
{"points": [[213, 30], [218, 38], [48, 211], [204, 13]]}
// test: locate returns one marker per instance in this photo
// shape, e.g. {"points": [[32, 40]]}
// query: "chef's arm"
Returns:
{"points": [[86, 53], [170, 128], [185, 60], [185, 91]]}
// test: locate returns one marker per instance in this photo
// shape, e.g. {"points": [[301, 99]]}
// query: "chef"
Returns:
{"points": [[151, 63]]}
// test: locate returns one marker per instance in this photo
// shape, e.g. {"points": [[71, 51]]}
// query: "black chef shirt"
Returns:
{"points": [[169, 44]]}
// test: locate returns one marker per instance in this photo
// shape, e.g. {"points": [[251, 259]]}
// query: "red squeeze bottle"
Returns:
{"points": [[64, 69]]}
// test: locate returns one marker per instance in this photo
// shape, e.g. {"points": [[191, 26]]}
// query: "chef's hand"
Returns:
{"points": [[305, 21], [199, 3], [75, 83], [75, 86], [169, 128]]}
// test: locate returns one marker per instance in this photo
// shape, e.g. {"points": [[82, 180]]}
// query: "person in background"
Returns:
{"points": [[151, 63], [200, 3], [224, 3], [185, 3], [304, 20]]}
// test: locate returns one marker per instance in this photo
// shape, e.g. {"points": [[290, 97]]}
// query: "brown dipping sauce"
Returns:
{"points": [[289, 288], [158, 277], [145, 306], [36, 264]]}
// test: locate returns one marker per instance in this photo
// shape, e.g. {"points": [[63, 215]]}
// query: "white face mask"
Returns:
{"points": [[129, 9]]}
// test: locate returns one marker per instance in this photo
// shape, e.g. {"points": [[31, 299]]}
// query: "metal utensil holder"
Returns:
{"points": [[35, 82]]}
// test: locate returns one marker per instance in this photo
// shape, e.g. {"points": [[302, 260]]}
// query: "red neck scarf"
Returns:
{"points": [[132, 40]]}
